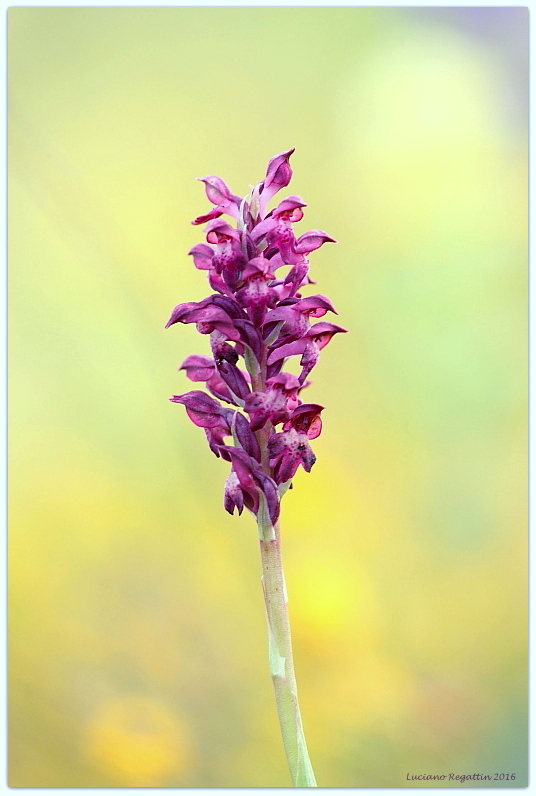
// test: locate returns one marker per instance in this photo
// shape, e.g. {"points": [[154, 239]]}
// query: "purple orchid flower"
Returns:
{"points": [[263, 319], [276, 403], [219, 194], [278, 175], [232, 383], [256, 319]]}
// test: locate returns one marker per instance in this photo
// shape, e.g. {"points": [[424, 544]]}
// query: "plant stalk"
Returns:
{"points": [[277, 620], [281, 663]]}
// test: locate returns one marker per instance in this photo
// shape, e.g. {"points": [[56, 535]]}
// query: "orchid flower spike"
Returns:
{"points": [[258, 317]]}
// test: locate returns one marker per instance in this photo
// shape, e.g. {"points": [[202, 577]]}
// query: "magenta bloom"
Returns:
{"points": [[259, 316]]}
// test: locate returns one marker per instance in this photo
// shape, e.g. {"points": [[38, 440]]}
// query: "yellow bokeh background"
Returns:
{"points": [[137, 636]]}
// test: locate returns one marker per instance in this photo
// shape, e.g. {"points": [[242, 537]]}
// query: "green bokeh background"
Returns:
{"points": [[137, 635]]}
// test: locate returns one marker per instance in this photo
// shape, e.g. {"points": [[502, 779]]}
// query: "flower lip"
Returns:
{"points": [[288, 450], [243, 466], [306, 419], [233, 496], [253, 482]]}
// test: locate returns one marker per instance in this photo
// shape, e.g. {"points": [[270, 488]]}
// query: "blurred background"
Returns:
{"points": [[137, 634]]}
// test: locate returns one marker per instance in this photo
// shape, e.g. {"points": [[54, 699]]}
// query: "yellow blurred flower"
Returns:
{"points": [[138, 742]]}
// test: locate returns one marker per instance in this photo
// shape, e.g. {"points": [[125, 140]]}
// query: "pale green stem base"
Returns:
{"points": [[275, 600], [281, 664]]}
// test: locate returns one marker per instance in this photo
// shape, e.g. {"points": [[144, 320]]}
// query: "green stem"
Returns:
{"points": [[281, 663], [275, 600]]}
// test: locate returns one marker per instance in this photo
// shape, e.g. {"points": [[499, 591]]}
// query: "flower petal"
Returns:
{"points": [[312, 240], [246, 437], [321, 333], [233, 378], [202, 410], [219, 194], [315, 306], [198, 368], [212, 214], [288, 350], [271, 495], [278, 175], [202, 254]]}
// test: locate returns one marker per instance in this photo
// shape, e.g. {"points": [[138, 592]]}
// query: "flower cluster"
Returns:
{"points": [[257, 313]]}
